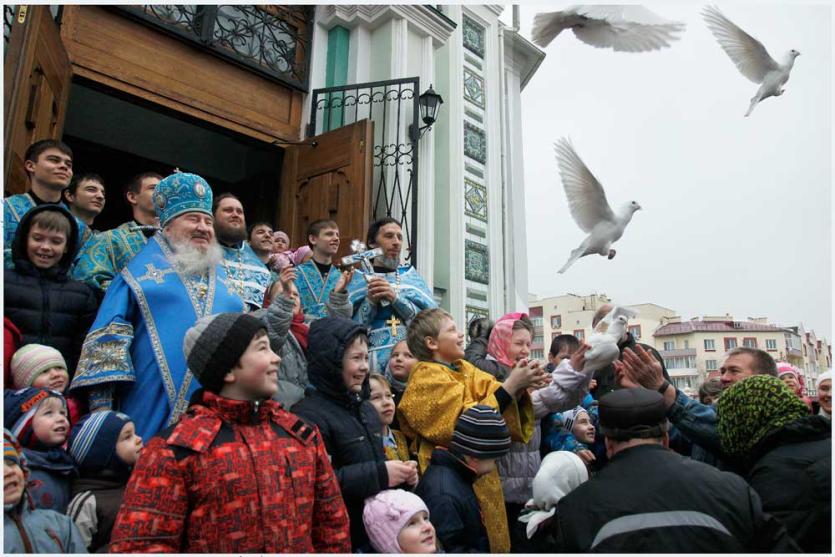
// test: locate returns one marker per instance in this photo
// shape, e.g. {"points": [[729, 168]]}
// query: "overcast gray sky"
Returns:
{"points": [[737, 211]]}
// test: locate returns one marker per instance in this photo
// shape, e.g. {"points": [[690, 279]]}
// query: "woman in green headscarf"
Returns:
{"points": [[786, 455]]}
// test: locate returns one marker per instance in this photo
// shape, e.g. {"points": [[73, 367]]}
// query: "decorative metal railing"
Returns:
{"points": [[393, 107], [8, 20], [272, 40]]}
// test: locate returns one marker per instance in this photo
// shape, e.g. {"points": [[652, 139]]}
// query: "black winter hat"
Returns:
{"points": [[215, 343], [632, 413], [480, 432]]}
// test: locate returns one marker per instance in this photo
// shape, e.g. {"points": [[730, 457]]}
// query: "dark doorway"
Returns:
{"points": [[118, 136]]}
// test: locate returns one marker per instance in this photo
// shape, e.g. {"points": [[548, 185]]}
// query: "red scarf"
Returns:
{"points": [[299, 329]]}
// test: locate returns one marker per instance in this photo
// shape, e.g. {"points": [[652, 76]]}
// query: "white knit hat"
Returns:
{"points": [[561, 473]]}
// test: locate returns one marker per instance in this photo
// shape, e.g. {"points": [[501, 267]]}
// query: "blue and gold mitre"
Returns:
{"points": [[182, 193]]}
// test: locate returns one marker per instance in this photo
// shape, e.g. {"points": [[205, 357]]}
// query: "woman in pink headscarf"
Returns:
{"points": [[508, 342], [792, 378]]}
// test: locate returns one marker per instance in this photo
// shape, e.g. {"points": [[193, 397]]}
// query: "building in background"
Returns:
{"points": [[692, 350], [816, 357], [572, 314]]}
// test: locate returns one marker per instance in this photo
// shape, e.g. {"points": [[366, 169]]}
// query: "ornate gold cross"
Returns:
{"points": [[154, 274], [393, 323]]}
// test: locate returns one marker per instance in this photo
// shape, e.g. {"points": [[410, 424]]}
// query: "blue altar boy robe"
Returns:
{"points": [[313, 291]]}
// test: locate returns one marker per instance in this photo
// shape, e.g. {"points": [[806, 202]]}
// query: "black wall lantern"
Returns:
{"points": [[430, 102]]}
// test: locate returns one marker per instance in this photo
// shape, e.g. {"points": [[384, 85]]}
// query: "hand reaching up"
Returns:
{"points": [[639, 369], [344, 280]]}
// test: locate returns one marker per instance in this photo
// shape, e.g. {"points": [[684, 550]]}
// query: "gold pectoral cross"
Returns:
{"points": [[393, 323]]}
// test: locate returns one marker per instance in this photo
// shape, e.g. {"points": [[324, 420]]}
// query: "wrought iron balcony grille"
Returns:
{"points": [[272, 40], [8, 19], [393, 107], [9, 14]]}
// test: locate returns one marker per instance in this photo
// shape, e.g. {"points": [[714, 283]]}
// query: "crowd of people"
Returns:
{"points": [[186, 383]]}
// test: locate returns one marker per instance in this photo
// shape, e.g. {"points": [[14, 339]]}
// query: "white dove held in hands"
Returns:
{"points": [[589, 207], [750, 56], [604, 341]]}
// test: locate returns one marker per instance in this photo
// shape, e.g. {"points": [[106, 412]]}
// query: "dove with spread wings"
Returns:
{"points": [[619, 27], [589, 207], [750, 56]]}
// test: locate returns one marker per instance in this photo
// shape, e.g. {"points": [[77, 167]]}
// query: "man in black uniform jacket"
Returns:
{"points": [[649, 499]]}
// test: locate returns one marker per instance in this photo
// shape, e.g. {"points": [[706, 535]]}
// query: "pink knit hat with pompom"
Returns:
{"points": [[386, 514]]}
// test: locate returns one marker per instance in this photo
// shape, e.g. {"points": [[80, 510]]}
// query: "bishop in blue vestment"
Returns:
{"points": [[132, 359]]}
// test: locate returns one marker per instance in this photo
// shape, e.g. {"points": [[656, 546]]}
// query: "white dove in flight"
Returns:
{"points": [[588, 205], [621, 28], [750, 56]]}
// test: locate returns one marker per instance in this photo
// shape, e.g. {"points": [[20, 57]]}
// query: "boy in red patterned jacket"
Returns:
{"points": [[237, 473]]}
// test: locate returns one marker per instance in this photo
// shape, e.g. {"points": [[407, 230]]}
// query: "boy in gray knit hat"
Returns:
{"points": [[238, 473], [479, 438]]}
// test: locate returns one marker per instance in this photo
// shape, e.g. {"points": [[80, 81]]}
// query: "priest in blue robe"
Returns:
{"points": [[247, 275], [388, 300], [132, 359], [108, 253]]}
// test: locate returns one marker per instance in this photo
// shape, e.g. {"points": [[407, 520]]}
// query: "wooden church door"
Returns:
{"points": [[330, 176], [37, 76]]}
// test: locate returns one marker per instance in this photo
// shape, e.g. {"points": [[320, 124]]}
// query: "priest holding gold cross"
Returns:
{"points": [[387, 299]]}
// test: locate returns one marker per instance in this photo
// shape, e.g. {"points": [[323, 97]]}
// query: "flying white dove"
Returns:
{"points": [[621, 28], [750, 56], [588, 205], [604, 341]]}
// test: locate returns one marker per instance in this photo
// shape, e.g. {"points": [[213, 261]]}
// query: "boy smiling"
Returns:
{"points": [[443, 385], [238, 473]]}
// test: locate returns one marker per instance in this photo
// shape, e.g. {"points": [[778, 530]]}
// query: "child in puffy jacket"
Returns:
{"points": [[237, 473], [25, 528], [105, 448], [38, 293], [38, 419]]}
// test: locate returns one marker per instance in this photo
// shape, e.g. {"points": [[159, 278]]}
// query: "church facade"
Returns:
{"points": [[302, 111]]}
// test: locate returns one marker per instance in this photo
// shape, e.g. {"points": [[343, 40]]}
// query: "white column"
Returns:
{"points": [[515, 240], [455, 185], [496, 218], [426, 176], [318, 64], [399, 48], [359, 55]]}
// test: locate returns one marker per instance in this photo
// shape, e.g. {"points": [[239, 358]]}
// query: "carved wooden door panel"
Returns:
{"points": [[37, 75], [331, 179]]}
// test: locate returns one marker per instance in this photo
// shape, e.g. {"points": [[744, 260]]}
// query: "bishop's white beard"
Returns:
{"points": [[192, 260]]}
